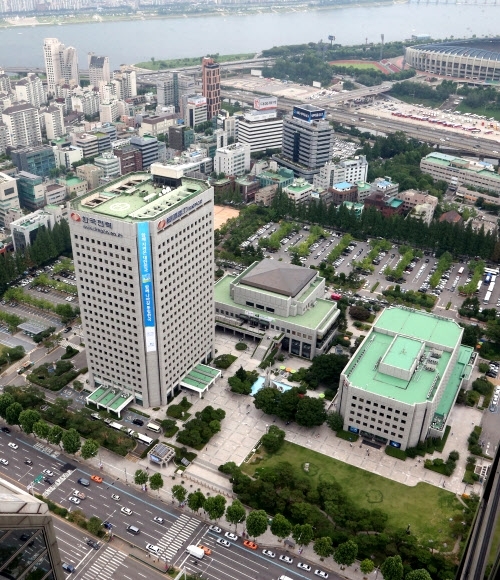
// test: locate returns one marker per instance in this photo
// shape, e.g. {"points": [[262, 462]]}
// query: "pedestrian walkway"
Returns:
{"points": [[177, 534], [105, 566]]}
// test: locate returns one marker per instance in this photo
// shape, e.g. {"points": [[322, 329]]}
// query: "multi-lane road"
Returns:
{"points": [[178, 529]]}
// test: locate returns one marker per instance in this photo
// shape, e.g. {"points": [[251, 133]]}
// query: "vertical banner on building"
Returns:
{"points": [[147, 292]]}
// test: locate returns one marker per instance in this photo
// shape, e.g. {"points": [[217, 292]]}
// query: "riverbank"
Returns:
{"points": [[99, 18]]}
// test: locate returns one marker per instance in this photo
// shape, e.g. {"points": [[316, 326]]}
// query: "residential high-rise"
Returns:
{"points": [[61, 63], [307, 141], [99, 71], [28, 536], [23, 124], [126, 80], [148, 313], [30, 90], [210, 85], [9, 198], [54, 122], [4, 138], [350, 170]]}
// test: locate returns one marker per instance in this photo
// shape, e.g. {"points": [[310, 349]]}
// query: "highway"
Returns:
{"points": [[460, 143], [179, 529]]}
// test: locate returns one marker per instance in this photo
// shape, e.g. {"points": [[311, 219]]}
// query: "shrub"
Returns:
{"points": [[241, 346], [453, 456], [70, 352], [224, 361]]}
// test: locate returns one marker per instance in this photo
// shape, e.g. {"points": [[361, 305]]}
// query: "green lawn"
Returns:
{"points": [[434, 103], [487, 112], [357, 65], [425, 507]]}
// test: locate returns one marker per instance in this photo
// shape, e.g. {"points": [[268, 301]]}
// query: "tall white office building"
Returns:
{"points": [[350, 170], [144, 266], [61, 63]]}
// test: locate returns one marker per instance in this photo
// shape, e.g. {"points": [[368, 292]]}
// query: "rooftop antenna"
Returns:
{"points": [[382, 46]]}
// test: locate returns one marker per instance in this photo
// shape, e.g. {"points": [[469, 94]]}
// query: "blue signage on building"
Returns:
{"points": [[308, 113], [146, 280], [353, 429], [395, 444]]}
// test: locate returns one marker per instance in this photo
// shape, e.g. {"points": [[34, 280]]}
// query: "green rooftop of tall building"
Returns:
{"points": [[135, 197]]}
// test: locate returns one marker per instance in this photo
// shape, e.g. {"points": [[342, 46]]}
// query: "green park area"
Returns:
{"points": [[426, 508], [157, 64], [356, 65]]}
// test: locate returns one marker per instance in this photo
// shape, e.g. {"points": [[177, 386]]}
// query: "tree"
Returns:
{"points": [[267, 399], [6, 401], [273, 440], [323, 547], [179, 493], [27, 419], [335, 421], [196, 501], [303, 534], [392, 568], [140, 477], [256, 523], [420, 574], [367, 566], [235, 513], [280, 527], [346, 553], [55, 435], [12, 413], [215, 506], [310, 412], [94, 525], [41, 429], [156, 482], [89, 449], [71, 441]]}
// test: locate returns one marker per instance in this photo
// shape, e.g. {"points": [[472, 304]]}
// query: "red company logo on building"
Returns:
{"points": [[76, 217], [162, 224]]}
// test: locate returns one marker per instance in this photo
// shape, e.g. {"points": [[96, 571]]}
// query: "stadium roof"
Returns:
{"points": [[459, 50]]}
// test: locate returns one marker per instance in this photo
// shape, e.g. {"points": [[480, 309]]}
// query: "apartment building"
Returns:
{"points": [[99, 71], [30, 90], [144, 266], [126, 82], [9, 198], [54, 122], [38, 160], [4, 138], [23, 123], [401, 384], [61, 64]]}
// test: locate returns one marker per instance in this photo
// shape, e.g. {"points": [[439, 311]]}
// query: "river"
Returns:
{"points": [[135, 41]]}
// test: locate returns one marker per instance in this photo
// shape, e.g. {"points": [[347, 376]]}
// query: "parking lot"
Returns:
{"points": [[418, 278]]}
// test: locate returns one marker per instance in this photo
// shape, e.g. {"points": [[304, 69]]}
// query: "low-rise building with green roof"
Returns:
{"points": [[281, 303], [402, 382]]}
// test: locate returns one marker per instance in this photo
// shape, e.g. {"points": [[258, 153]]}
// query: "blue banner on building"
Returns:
{"points": [[147, 290]]}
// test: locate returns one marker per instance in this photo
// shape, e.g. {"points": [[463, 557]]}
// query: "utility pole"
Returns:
{"points": [[382, 46]]}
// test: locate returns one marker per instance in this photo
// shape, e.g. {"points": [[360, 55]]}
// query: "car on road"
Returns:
{"points": [[126, 511], [48, 472], [84, 482], [320, 573], [68, 567], [107, 525], [74, 499], [207, 550], [303, 566], [269, 554], [115, 497], [158, 520], [231, 536], [139, 422], [93, 543], [48, 481], [28, 462], [224, 542], [5, 430], [251, 545], [96, 478], [4, 461], [215, 529], [79, 494], [13, 445], [153, 549], [68, 329], [286, 559]]}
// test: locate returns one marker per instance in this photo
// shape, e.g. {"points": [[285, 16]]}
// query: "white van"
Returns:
{"points": [[153, 427], [196, 552]]}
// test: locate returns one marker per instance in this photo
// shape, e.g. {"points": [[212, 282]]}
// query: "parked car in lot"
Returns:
{"points": [[223, 542], [74, 499], [13, 445], [286, 559], [251, 545], [48, 472], [303, 566], [215, 529], [139, 422], [79, 494]]}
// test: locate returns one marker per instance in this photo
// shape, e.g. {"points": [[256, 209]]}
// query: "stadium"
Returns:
{"points": [[472, 60]]}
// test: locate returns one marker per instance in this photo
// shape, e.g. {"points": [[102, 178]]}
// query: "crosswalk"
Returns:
{"points": [[105, 566], [46, 449], [182, 529]]}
